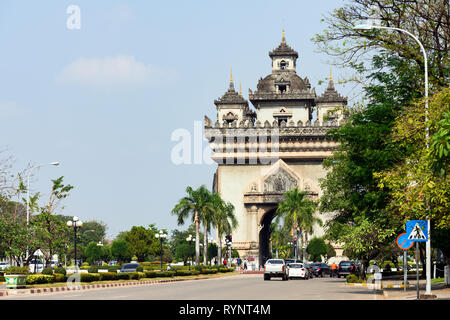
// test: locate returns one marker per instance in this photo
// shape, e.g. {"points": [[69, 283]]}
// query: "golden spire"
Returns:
{"points": [[331, 76], [283, 38], [240, 88], [231, 75]]}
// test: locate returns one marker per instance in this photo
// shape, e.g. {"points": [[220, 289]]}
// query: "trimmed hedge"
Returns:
{"points": [[108, 276], [89, 277], [39, 278], [353, 278], [47, 271], [123, 276], [59, 277], [164, 274], [60, 270], [93, 269]]}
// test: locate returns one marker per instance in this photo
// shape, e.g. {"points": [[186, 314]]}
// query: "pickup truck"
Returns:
{"points": [[275, 268]]}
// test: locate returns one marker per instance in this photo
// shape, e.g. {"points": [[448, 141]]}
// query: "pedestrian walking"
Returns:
{"points": [[224, 262], [245, 264]]}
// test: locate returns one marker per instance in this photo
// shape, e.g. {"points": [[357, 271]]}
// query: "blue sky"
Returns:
{"points": [[103, 100]]}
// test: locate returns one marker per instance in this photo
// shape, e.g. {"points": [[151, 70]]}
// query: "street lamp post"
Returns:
{"points": [[161, 235], [189, 240], [28, 191], [76, 224], [427, 133]]}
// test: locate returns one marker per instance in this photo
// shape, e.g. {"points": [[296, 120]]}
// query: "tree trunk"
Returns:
{"points": [[304, 249], [205, 246], [219, 250], [197, 240]]}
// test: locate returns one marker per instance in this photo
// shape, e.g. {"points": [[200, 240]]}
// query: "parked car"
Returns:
{"points": [[129, 267], [4, 265], [308, 267], [275, 268], [320, 269], [347, 267], [297, 270]]}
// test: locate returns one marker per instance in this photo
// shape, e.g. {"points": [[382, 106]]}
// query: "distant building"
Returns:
{"points": [[277, 145]]}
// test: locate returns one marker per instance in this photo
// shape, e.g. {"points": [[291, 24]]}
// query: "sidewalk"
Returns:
{"points": [[393, 290]]}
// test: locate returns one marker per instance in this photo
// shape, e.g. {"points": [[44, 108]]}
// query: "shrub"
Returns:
{"points": [[60, 270], [16, 270], [208, 271], [183, 273], [89, 277], [123, 276], [141, 275], [133, 275], [104, 276], [195, 272], [113, 268], [353, 278], [2, 279], [59, 277], [225, 269], [47, 271], [150, 274], [93, 269], [164, 274], [39, 278], [140, 269], [85, 264]]}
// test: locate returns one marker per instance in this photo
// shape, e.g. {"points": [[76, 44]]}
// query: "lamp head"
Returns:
{"points": [[56, 163], [363, 27]]}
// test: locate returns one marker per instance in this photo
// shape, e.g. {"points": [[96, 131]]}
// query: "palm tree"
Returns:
{"points": [[224, 219], [198, 204], [297, 212]]}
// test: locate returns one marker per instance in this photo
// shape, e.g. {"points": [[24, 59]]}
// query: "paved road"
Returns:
{"points": [[240, 287]]}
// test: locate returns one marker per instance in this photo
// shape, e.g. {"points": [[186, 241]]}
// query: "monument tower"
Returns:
{"points": [[277, 145]]}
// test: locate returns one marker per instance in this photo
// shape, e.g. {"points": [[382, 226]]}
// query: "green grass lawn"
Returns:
{"points": [[437, 280]]}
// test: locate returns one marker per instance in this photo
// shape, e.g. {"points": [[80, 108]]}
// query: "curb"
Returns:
{"points": [[89, 287], [390, 286]]}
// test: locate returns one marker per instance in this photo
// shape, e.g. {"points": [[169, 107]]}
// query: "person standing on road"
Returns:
{"points": [[245, 264], [333, 269], [224, 262]]}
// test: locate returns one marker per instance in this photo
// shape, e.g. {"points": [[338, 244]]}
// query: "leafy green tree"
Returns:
{"points": [[297, 211], [367, 145], [119, 250], [92, 231], [197, 204], [141, 242], [224, 219], [316, 249], [93, 252]]}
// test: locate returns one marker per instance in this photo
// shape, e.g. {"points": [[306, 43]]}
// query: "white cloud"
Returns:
{"points": [[120, 70]]}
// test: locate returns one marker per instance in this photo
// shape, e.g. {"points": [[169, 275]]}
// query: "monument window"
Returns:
{"points": [[280, 119], [283, 65], [282, 88]]}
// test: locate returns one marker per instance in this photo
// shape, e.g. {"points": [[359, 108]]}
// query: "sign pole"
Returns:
{"points": [[417, 269], [405, 270], [428, 249]]}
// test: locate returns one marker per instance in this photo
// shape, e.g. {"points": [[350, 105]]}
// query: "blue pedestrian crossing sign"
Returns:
{"points": [[417, 230]]}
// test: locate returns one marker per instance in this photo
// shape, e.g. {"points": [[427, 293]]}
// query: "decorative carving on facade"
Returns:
{"points": [[280, 182]]}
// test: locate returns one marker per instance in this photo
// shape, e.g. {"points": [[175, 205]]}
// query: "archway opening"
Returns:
{"points": [[264, 237]]}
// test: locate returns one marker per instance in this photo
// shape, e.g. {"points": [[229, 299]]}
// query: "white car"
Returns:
{"points": [[4, 265], [297, 270]]}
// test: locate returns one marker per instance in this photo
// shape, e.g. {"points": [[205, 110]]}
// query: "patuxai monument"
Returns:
{"points": [[270, 147]]}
